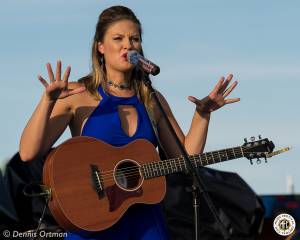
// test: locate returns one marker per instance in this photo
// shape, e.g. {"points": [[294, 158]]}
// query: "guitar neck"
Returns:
{"points": [[162, 168]]}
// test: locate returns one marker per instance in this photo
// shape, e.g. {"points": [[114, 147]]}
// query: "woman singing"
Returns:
{"points": [[110, 104]]}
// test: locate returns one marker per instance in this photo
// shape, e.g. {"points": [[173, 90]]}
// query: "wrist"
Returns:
{"points": [[203, 113], [47, 99]]}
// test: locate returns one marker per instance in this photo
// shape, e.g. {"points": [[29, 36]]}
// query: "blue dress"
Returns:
{"points": [[141, 221]]}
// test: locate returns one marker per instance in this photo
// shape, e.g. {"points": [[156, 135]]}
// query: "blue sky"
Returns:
{"points": [[194, 43]]}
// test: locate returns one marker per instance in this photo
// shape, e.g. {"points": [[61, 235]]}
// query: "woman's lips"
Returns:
{"points": [[124, 55]]}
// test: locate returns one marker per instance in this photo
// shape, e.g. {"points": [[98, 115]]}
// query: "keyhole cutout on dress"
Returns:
{"points": [[129, 119]]}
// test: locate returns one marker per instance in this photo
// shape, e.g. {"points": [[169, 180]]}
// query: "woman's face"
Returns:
{"points": [[120, 37]]}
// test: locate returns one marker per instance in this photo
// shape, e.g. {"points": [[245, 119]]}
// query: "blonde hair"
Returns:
{"points": [[97, 76]]}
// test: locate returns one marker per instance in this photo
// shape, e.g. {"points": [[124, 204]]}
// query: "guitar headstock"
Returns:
{"points": [[257, 149]]}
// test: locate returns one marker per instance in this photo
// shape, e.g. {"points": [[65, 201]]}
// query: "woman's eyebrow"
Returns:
{"points": [[131, 35], [117, 34]]}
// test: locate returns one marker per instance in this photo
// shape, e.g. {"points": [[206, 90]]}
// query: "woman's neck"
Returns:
{"points": [[119, 78]]}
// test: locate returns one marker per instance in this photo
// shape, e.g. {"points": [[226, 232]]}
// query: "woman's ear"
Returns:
{"points": [[100, 48]]}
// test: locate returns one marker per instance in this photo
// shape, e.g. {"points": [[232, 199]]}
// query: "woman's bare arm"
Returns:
{"points": [[193, 142], [51, 116], [195, 139]]}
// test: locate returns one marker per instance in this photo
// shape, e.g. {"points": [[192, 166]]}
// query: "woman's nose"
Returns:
{"points": [[128, 43]]}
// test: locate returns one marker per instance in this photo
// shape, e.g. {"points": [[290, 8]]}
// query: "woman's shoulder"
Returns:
{"points": [[164, 103], [73, 85], [162, 100], [82, 97], [72, 102]]}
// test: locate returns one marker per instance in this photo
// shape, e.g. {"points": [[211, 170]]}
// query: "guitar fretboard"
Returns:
{"points": [[162, 168]]}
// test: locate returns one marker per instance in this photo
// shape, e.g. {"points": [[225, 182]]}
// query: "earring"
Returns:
{"points": [[102, 59]]}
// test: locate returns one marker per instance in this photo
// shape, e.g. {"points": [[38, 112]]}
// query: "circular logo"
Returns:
{"points": [[284, 224]]}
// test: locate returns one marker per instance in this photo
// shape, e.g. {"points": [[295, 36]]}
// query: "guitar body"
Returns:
{"points": [[93, 183]]}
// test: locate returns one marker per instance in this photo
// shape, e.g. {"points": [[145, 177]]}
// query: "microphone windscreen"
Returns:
{"points": [[133, 57]]}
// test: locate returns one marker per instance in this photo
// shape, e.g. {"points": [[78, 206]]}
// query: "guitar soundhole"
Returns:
{"points": [[127, 175]]}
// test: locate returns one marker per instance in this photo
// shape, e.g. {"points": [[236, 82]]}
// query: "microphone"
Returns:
{"points": [[137, 59]]}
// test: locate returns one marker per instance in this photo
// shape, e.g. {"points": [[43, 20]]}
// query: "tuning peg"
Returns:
{"points": [[252, 139], [245, 139], [258, 161], [266, 161], [259, 136]]}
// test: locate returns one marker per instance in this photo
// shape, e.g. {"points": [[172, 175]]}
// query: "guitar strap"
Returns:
{"points": [[150, 113]]}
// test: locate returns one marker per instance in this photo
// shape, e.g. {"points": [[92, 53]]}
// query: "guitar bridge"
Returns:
{"points": [[97, 181]]}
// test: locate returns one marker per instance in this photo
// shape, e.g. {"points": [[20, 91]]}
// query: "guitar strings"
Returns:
{"points": [[169, 161], [132, 175], [165, 163], [134, 171], [136, 175], [215, 153]]}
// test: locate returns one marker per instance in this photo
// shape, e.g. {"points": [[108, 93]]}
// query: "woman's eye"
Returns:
{"points": [[117, 38], [136, 39]]}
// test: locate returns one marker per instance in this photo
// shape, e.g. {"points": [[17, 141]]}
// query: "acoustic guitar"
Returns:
{"points": [[92, 183]]}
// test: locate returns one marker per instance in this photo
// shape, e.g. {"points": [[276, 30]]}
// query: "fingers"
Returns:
{"points": [[57, 74], [232, 100], [229, 90], [226, 83], [193, 99], [76, 90], [58, 70], [198, 102], [219, 85], [67, 74], [50, 72], [43, 81]]}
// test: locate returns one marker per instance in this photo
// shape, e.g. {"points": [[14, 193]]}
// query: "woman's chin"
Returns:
{"points": [[126, 67], [121, 67]]}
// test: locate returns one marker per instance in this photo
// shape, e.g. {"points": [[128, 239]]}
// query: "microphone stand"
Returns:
{"points": [[198, 186]]}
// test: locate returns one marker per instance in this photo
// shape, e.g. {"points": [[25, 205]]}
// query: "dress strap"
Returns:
{"points": [[154, 125], [102, 93]]}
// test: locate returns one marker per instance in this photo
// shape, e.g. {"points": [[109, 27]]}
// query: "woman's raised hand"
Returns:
{"points": [[216, 99], [57, 88]]}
